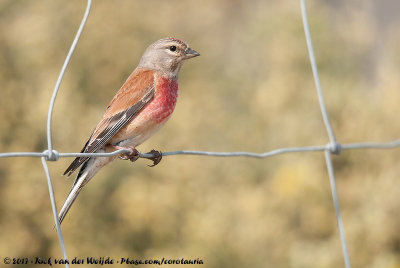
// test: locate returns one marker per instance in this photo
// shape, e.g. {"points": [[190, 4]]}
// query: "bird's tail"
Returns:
{"points": [[87, 171], [73, 194], [81, 179]]}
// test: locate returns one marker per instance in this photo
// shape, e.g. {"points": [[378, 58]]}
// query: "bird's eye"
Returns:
{"points": [[172, 48]]}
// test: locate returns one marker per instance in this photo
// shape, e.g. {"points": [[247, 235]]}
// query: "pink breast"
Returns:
{"points": [[164, 102]]}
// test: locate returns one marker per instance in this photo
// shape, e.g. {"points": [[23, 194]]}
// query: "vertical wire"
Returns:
{"points": [[337, 208], [315, 73], [60, 77], [334, 146], [54, 209], [52, 155]]}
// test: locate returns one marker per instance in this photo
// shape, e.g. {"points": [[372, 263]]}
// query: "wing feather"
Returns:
{"points": [[118, 113]]}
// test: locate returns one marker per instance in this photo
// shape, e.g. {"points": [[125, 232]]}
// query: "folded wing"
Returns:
{"points": [[134, 95]]}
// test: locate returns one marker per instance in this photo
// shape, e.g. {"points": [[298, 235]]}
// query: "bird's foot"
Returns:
{"points": [[133, 154], [156, 157]]}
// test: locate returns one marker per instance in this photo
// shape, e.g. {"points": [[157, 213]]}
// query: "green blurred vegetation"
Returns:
{"points": [[251, 89]]}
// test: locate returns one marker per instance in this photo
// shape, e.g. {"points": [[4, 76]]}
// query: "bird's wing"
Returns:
{"points": [[137, 91]]}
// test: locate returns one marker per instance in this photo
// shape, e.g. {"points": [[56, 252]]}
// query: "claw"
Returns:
{"points": [[156, 158], [133, 155]]}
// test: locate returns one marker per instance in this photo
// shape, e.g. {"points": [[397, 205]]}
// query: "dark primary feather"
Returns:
{"points": [[114, 124]]}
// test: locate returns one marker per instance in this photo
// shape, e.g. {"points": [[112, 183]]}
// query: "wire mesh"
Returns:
{"points": [[333, 147]]}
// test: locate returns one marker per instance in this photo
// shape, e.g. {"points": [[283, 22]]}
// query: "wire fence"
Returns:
{"points": [[333, 147]]}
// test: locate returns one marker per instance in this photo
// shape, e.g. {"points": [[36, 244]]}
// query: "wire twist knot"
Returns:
{"points": [[334, 147], [52, 155]]}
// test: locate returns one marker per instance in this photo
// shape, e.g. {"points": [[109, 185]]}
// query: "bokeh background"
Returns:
{"points": [[251, 89]]}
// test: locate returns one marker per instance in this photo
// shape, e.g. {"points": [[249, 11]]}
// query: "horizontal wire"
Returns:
{"points": [[22, 154], [372, 145], [349, 146], [249, 154]]}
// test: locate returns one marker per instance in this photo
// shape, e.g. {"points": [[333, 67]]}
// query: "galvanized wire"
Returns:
{"points": [[60, 77], [319, 148], [54, 209], [332, 147], [315, 73], [52, 155], [335, 198]]}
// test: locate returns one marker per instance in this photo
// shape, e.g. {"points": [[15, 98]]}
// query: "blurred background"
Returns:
{"points": [[251, 90]]}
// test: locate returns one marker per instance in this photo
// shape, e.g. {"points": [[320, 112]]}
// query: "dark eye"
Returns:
{"points": [[172, 48]]}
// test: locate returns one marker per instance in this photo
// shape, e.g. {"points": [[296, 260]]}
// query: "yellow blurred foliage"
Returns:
{"points": [[251, 90]]}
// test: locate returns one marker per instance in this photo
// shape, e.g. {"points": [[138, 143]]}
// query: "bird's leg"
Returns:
{"points": [[133, 154], [156, 157]]}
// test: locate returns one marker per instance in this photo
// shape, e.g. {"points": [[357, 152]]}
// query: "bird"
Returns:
{"points": [[139, 109]]}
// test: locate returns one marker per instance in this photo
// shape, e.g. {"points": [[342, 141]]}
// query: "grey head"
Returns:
{"points": [[167, 56]]}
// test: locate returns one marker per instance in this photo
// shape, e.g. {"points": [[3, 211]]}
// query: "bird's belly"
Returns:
{"points": [[135, 134]]}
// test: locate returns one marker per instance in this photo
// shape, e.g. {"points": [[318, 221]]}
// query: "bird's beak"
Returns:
{"points": [[191, 53]]}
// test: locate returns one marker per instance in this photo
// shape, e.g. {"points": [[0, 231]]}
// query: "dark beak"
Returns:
{"points": [[191, 53]]}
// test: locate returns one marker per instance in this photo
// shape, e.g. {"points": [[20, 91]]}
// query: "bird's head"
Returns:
{"points": [[167, 56]]}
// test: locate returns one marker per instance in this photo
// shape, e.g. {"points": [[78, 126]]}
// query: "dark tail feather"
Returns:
{"points": [[80, 181], [77, 162]]}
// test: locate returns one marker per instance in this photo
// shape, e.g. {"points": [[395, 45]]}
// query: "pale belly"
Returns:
{"points": [[136, 133]]}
